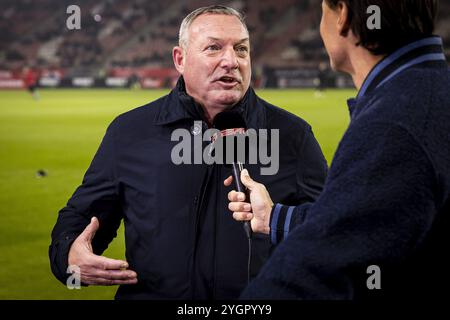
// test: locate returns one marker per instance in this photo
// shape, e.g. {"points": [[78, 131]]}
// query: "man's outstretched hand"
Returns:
{"points": [[260, 206], [94, 269]]}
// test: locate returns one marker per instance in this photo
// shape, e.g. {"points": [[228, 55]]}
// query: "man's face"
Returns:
{"points": [[216, 63], [330, 33]]}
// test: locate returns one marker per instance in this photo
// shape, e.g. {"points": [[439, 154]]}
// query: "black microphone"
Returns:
{"points": [[230, 124]]}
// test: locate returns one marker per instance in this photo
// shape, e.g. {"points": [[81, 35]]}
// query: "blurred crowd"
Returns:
{"points": [[141, 33]]}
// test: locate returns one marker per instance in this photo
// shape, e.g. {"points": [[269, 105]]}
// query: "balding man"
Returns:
{"points": [[181, 242]]}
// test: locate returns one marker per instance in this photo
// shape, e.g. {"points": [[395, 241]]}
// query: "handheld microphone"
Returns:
{"points": [[231, 124]]}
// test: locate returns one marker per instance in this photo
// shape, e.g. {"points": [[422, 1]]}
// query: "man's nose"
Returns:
{"points": [[229, 59]]}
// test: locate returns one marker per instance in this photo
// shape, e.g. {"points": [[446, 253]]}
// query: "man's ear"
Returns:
{"points": [[343, 22], [178, 58]]}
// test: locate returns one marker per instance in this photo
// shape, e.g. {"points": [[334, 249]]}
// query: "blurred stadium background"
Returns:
{"points": [[118, 60]]}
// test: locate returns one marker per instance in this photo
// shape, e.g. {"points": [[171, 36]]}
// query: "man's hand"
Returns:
{"points": [[94, 269], [260, 206]]}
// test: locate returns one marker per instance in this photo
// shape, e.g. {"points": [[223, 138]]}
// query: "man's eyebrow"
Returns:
{"points": [[218, 39], [243, 40]]}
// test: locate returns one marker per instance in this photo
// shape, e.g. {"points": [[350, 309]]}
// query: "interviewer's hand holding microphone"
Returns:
{"points": [[95, 269], [232, 124], [260, 206]]}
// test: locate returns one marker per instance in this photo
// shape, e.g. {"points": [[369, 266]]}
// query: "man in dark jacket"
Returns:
{"points": [[181, 242], [380, 228]]}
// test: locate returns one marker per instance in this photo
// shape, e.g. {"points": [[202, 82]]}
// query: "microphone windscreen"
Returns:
{"points": [[229, 120], [234, 142]]}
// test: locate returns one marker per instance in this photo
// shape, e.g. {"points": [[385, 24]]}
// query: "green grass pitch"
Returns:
{"points": [[60, 134]]}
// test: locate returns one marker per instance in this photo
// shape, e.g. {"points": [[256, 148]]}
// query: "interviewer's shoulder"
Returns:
{"points": [[414, 98]]}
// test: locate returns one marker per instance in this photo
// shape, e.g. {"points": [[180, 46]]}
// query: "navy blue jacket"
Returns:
{"points": [[385, 202], [180, 236]]}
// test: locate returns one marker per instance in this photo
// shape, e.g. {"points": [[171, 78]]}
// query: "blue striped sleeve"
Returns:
{"points": [[280, 222]]}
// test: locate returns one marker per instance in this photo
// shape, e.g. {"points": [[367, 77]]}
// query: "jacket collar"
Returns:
{"points": [[427, 50], [180, 106]]}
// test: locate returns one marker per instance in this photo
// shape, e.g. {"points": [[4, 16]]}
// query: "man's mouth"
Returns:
{"points": [[228, 80]]}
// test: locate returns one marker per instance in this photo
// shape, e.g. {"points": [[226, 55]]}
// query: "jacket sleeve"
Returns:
{"points": [[96, 196], [376, 209]]}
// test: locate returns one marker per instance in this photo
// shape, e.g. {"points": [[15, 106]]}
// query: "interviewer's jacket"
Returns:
{"points": [[180, 236], [381, 227]]}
